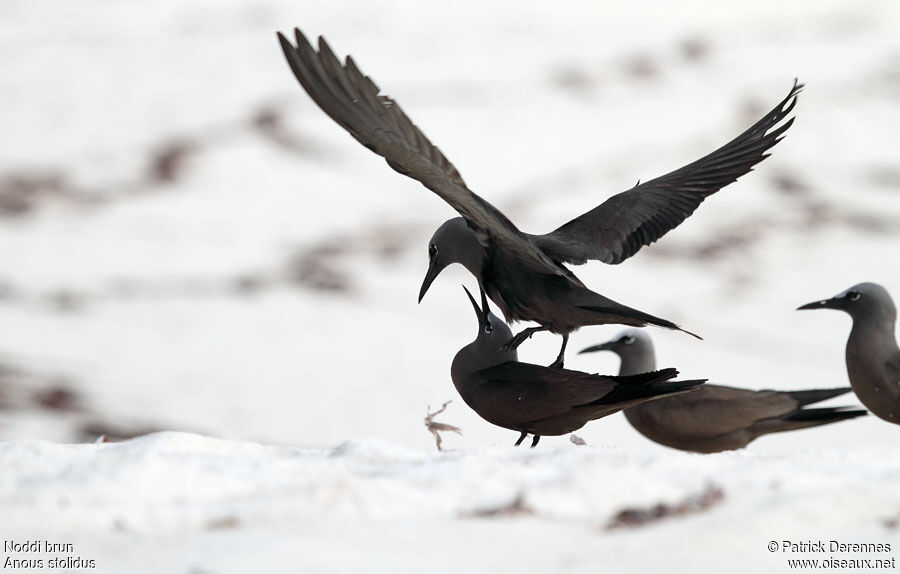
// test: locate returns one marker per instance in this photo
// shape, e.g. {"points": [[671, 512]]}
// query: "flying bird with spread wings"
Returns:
{"points": [[524, 274]]}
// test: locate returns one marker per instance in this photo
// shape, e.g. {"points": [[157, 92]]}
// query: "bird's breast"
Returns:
{"points": [[517, 293]]}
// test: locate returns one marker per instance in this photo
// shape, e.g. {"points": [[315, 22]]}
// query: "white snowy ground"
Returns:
{"points": [[189, 244], [173, 502]]}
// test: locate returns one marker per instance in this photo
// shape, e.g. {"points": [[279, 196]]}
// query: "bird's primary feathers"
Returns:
{"points": [[525, 274], [611, 232]]}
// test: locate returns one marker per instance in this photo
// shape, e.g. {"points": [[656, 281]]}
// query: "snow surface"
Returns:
{"points": [[263, 288], [175, 502]]}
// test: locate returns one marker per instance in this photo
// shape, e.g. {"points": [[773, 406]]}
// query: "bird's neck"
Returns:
{"points": [[637, 361], [870, 348], [473, 260], [476, 356], [871, 342]]}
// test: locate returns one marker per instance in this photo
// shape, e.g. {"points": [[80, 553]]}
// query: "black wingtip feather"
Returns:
{"points": [[826, 414], [618, 228], [810, 396]]}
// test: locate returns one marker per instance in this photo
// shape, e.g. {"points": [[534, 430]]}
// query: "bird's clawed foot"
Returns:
{"points": [[535, 440], [520, 338]]}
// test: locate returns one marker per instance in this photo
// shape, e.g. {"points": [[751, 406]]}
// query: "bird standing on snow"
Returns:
{"points": [[715, 418], [543, 400], [873, 359], [522, 273]]}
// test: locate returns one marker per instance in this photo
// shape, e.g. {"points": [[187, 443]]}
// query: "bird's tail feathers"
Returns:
{"points": [[825, 415], [653, 384], [816, 395], [806, 418], [616, 313]]}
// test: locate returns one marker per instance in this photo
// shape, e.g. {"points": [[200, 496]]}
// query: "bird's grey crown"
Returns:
{"points": [[638, 356], [874, 303], [455, 242]]}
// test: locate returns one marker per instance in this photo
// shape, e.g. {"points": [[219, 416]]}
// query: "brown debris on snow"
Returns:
{"points": [[169, 160], [58, 397], [516, 507], [637, 517]]}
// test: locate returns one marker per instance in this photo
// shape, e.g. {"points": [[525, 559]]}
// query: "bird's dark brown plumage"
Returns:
{"points": [[538, 400], [524, 274], [716, 417], [616, 229], [872, 355]]}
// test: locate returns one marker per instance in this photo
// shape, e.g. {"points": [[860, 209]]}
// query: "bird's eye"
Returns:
{"points": [[628, 339], [853, 295], [432, 250], [488, 327]]}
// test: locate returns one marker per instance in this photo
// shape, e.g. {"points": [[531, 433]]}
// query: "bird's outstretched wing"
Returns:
{"points": [[376, 121], [616, 229]]}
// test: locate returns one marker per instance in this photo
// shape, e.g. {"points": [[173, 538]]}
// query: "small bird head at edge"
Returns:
{"points": [[861, 300], [452, 242]]}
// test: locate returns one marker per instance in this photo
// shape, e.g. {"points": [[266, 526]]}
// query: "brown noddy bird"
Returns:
{"points": [[873, 359], [525, 274], [715, 418], [538, 400]]}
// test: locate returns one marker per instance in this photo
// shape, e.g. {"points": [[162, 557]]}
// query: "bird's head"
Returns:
{"points": [[634, 347], [865, 300], [490, 327], [484, 352], [627, 342], [453, 242]]}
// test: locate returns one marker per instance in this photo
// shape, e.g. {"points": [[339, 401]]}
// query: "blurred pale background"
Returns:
{"points": [[189, 243]]}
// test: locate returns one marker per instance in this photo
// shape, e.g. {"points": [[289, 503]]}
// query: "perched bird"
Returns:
{"points": [[873, 359], [543, 400], [525, 274], [715, 418]]}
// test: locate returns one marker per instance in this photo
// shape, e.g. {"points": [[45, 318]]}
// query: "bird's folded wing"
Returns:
{"points": [[714, 409], [516, 392], [892, 368], [352, 100], [616, 229], [523, 392]]}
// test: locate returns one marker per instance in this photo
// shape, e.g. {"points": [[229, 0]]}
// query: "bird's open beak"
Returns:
{"points": [[833, 303], [485, 308], [482, 316], [433, 271], [601, 347]]}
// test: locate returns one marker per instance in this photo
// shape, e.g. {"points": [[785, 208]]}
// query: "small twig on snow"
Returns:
{"points": [[435, 428]]}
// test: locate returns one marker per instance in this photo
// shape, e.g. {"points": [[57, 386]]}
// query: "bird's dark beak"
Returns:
{"points": [[434, 269], [482, 316], [485, 308], [601, 347], [833, 303]]}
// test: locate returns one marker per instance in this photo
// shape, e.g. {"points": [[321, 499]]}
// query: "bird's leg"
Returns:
{"points": [[514, 343], [534, 442], [521, 438], [558, 363]]}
